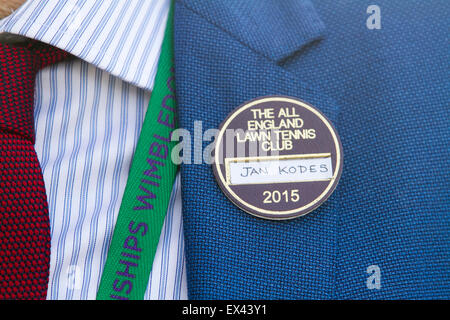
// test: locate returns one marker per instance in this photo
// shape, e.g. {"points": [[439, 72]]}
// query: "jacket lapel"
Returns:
{"points": [[275, 29], [228, 52], [271, 31]]}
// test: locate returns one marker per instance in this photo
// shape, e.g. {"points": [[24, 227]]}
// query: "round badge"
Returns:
{"points": [[277, 157]]}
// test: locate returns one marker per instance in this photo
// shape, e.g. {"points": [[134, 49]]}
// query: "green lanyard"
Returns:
{"points": [[147, 193]]}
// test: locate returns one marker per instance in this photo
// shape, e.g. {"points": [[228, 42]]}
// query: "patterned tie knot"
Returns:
{"points": [[18, 68]]}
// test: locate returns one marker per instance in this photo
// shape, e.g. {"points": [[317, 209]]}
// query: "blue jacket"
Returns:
{"points": [[387, 93]]}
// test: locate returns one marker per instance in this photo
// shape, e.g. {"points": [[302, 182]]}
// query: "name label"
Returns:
{"points": [[280, 170]]}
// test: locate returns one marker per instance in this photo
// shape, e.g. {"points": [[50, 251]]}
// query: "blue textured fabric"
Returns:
{"points": [[387, 93]]}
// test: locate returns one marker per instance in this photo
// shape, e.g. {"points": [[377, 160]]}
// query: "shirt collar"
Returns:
{"points": [[121, 37]]}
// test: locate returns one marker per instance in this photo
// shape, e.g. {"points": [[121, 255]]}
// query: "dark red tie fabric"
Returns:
{"points": [[24, 221]]}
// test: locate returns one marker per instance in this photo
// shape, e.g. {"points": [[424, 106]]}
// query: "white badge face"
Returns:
{"points": [[277, 157], [280, 170]]}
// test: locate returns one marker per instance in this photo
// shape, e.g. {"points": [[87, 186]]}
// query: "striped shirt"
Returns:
{"points": [[88, 115]]}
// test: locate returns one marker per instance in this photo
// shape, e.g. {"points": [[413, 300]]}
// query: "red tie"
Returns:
{"points": [[24, 221]]}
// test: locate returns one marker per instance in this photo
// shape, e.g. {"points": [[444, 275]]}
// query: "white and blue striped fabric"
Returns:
{"points": [[88, 115]]}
